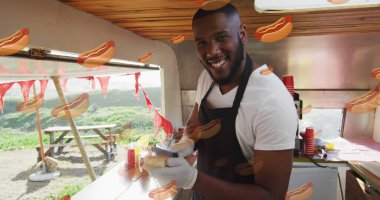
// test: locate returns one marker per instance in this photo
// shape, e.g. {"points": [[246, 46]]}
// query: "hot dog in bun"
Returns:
{"points": [[364, 103], [208, 130], [276, 31], [30, 105], [76, 106], [178, 39], [337, 1], [14, 43], [155, 160], [97, 56], [146, 58], [303, 192], [165, 192], [376, 73]]}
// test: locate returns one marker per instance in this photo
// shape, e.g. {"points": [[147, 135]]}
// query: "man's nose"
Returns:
{"points": [[212, 50]]}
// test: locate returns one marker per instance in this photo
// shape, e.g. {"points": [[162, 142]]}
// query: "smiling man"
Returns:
{"points": [[251, 156]]}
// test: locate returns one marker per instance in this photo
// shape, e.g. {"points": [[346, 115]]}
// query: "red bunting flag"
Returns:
{"points": [[4, 69], [4, 87], [104, 84], [160, 121], [23, 69], [147, 100], [137, 76], [62, 81], [25, 88], [41, 69], [43, 86], [92, 82]]}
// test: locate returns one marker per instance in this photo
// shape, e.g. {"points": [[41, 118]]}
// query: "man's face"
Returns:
{"points": [[219, 46]]}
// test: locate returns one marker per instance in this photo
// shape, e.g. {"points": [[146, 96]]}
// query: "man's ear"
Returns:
{"points": [[243, 33]]}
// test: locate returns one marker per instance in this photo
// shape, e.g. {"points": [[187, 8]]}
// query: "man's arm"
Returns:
{"points": [[272, 172], [192, 122]]}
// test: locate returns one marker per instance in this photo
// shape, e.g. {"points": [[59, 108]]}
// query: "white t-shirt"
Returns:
{"points": [[267, 118]]}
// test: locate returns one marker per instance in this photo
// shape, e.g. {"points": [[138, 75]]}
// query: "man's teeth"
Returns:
{"points": [[218, 64]]}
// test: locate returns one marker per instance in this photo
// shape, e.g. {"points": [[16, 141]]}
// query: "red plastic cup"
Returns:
{"points": [[131, 161], [308, 138], [289, 83]]}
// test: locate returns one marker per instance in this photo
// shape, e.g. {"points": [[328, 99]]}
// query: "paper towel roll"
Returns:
{"points": [[376, 126]]}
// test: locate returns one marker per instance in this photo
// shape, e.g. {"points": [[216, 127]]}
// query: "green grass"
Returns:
{"points": [[20, 141], [67, 190]]}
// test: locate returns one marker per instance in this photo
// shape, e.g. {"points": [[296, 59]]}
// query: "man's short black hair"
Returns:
{"points": [[229, 10]]}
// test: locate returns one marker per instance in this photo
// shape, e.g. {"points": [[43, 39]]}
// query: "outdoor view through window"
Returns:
{"points": [[120, 106], [326, 122]]}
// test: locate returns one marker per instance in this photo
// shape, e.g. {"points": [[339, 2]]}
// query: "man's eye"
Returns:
{"points": [[201, 43], [221, 37]]}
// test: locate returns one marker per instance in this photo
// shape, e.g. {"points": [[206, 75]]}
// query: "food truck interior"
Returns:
{"points": [[330, 54]]}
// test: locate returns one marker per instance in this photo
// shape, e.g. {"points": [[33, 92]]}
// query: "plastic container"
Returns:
{"points": [[130, 158], [308, 141]]}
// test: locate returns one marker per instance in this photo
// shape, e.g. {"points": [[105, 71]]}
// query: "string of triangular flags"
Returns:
{"points": [[159, 120]]}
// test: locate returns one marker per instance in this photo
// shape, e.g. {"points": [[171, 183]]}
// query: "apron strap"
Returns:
{"points": [[243, 83]]}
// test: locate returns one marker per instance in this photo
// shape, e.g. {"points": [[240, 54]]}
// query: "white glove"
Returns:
{"points": [[178, 170], [184, 147]]}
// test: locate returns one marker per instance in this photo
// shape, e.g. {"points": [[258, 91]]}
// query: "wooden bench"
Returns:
{"points": [[97, 144]]}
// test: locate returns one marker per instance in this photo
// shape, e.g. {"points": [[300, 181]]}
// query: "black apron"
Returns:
{"points": [[221, 156]]}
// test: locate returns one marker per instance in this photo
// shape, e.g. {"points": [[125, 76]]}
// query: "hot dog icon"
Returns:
{"points": [[98, 56], [275, 31], [14, 43], [178, 39], [76, 106]]}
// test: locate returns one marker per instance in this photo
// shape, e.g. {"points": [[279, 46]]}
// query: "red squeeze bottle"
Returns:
{"points": [[131, 157]]}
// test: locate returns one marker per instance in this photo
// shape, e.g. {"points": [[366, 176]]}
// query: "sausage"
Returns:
{"points": [[275, 31], [97, 56], [14, 43]]}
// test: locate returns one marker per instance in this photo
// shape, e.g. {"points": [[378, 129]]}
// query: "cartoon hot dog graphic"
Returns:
{"points": [[376, 73], [275, 31], [97, 56], [266, 71], [14, 43], [30, 105], [178, 39], [244, 169], [145, 58], [213, 5], [337, 1], [76, 106], [364, 103], [208, 130], [303, 192], [165, 192]]}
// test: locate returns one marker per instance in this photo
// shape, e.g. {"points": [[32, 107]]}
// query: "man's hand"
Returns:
{"points": [[178, 169], [184, 147]]}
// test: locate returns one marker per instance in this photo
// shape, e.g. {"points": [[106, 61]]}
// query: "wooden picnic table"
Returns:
{"points": [[65, 140]]}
